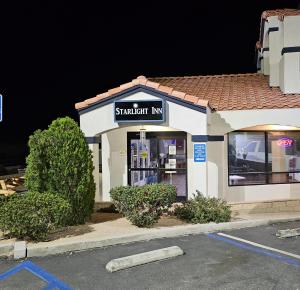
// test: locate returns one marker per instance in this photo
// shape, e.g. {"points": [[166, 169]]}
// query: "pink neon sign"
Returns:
{"points": [[285, 142]]}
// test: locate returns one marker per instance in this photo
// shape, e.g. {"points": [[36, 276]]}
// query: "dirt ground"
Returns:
{"points": [[169, 221], [101, 217], [165, 221]]}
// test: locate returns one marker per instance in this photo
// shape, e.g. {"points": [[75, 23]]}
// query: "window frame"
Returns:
{"points": [[266, 173]]}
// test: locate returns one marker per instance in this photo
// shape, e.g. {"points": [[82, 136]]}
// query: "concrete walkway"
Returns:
{"points": [[120, 231], [259, 216]]}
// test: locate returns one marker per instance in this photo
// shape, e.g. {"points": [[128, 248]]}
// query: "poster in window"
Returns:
{"points": [[172, 149], [172, 163]]}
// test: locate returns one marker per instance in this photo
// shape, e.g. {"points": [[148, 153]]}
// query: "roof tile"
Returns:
{"points": [[152, 85], [142, 81], [93, 100], [220, 92], [114, 91], [191, 98], [280, 13], [178, 94], [228, 92], [126, 86], [165, 89], [80, 105]]}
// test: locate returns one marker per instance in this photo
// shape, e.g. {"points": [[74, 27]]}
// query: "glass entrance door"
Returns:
{"points": [[159, 158]]}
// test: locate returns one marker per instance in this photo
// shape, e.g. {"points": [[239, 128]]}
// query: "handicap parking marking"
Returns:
{"points": [[258, 248], [53, 282]]}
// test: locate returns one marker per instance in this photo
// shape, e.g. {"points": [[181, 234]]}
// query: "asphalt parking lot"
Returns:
{"points": [[208, 263]]}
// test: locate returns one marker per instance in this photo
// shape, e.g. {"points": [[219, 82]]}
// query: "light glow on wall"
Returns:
{"points": [[271, 128]]}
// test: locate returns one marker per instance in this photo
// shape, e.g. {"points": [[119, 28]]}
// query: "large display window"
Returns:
{"points": [[263, 157]]}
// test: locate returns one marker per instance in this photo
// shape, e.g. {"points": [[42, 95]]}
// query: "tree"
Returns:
{"points": [[61, 162]]}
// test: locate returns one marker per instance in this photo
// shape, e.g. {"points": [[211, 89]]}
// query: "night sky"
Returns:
{"points": [[54, 53]]}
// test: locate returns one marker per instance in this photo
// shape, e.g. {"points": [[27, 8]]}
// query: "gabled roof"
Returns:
{"points": [[142, 81], [219, 92]]}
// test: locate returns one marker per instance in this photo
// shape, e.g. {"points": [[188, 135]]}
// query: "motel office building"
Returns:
{"points": [[236, 137]]}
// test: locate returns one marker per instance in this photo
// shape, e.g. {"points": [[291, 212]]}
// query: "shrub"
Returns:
{"points": [[143, 205], [3, 199], [61, 162], [33, 215], [202, 209]]}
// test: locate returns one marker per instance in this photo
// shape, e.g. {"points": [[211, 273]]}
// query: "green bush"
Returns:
{"points": [[33, 215], [3, 199], [202, 209], [143, 205], [61, 162]]}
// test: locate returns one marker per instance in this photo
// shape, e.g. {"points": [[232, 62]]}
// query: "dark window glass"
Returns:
{"points": [[172, 153], [143, 154], [175, 177], [246, 157], [249, 163], [247, 179], [284, 177], [142, 177]]}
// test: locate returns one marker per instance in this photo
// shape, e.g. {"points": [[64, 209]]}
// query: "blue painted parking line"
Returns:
{"points": [[53, 282], [264, 252]]}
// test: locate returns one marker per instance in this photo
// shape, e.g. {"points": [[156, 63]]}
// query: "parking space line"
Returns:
{"points": [[260, 245], [53, 282], [255, 248]]}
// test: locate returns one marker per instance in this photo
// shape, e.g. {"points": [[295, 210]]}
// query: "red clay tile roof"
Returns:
{"points": [[141, 80], [220, 92], [280, 13], [233, 92]]}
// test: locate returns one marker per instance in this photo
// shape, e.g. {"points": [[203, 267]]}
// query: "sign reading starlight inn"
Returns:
{"points": [[141, 111]]}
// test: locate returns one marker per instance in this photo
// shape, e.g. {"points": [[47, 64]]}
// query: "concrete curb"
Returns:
{"points": [[48, 248], [6, 247], [143, 258], [20, 250]]}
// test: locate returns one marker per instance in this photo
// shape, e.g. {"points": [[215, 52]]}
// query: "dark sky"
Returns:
{"points": [[56, 53]]}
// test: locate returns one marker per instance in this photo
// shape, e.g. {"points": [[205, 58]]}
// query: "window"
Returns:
{"points": [[263, 157], [246, 158], [284, 157]]}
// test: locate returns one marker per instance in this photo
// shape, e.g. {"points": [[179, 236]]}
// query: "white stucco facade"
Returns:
{"points": [[210, 177], [100, 123], [224, 122]]}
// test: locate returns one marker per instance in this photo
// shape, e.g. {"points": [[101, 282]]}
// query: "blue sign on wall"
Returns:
{"points": [[199, 152], [0, 108]]}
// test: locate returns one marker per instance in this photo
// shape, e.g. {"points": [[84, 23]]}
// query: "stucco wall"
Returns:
{"points": [[211, 177], [177, 117], [100, 122], [227, 121], [275, 46]]}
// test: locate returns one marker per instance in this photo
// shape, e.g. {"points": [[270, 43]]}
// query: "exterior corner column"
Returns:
{"points": [[106, 167], [94, 147]]}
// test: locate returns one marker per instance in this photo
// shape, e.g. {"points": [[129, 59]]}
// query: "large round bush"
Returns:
{"points": [[61, 162], [33, 215], [143, 205]]}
